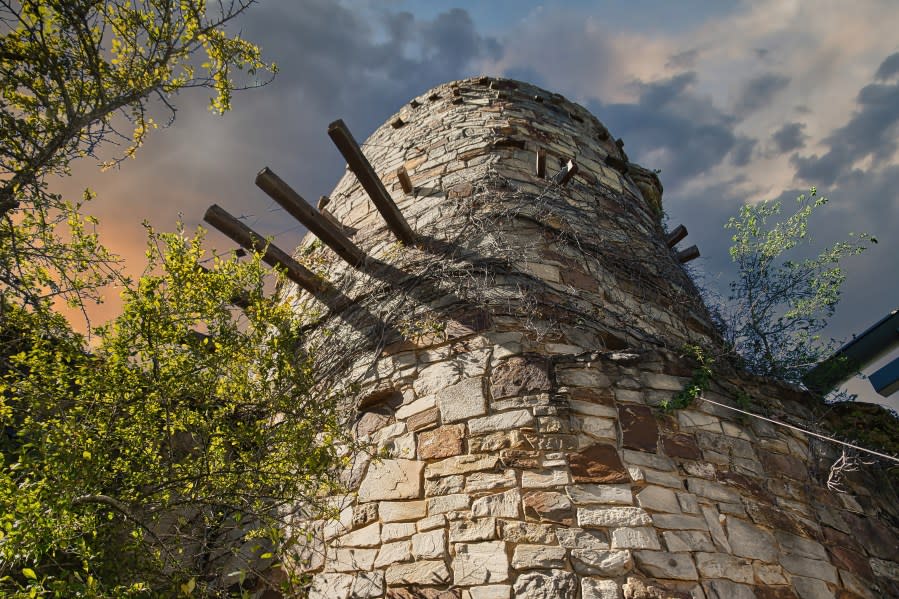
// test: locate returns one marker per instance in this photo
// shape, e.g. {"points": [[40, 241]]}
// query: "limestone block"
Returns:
{"points": [[500, 505], [720, 565], [578, 538], [462, 401], [635, 538], [416, 407], [466, 531], [480, 563], [392, 531], [399, 511], [448, 503], [350, 560], [461, 464], [531, 557], [602, 428], [612, 516], [663, 382], [559, 584], [544, 479], [442, 442], [369, 536], [658, 499], [435, 377], [427, 572], [688, 540], [688, 503], [429, 545], [489, 591], [725, 589], [713, 519], [663, 479], [748, 540], [582, 377], [431, 522], [444, 486], [712, 490], [679, 522], [499, 422], [660, 564], [392, 479], [597, 588], [331, 586], [367, 585], [528, 532], [587, 408], [489, 481], [394, 553], [586, 494], [601, 562], [811, 568], [551, 506]]}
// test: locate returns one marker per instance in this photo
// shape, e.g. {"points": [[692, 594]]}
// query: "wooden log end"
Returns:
{"points": [[691, 253], [676, 236], [405, 181], [322, 202], [397, 123]]}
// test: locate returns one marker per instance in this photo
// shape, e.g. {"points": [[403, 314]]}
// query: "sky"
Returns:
{"points": [[734, 101]]}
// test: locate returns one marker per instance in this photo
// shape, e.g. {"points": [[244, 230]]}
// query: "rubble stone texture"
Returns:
{"points": [[506, 372]]}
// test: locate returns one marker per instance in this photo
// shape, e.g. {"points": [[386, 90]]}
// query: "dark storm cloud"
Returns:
{"points": [[742, 153], [684, 134], [789, 137], [889, 68], [871, 132], [758, 92]]}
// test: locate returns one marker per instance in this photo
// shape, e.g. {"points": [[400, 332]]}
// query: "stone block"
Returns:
{"points": [[714, 520], [521, 375], [725, 589], [544, 479], [550, 506], [416, 407], [663, 382], [462, 401], [598, 463], [393, 553], [443, 442], [559, 584], [582, 377], [586, 494], [712, 490], [431, 522], [444, 486], [399, 511], [796, 545], [392, 479], [448, 503], [658, 499], [748, 540], [811, 568], [367, 585], [429, 545], [369, 536], [529, 532], [423, 420], [635, 538], [350, 560], [435, 378], [331, 586], [467, 531], [489, 591], [597, 562], [660, 564], [480, 563], [811, 588], [612, 517], [602, 428], [490, 481], [578, 538], [587, 408], [427, 572], [392, 531], [461, 464], [720, 565], [638, 427], [532, 557], [681, 446], [679, 522], [688, 540], [500, 505], [498, 422], [597, 588]]}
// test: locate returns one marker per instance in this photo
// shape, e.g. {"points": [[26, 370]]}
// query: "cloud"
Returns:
{"points": [[889, 68], [789, 137], [758, 92]]}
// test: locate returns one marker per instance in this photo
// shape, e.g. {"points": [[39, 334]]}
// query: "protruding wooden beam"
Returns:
{"points": [[541, 163], [676, 236], [691, 253], [565, 175], [273, 256], [298, 208], [373, 186], [405, 181], [322, 202]]}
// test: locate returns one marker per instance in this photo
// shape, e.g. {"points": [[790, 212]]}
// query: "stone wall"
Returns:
{"points": [[506, 373]]}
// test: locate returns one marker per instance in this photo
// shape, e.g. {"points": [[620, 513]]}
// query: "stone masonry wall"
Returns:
{"points": [[507, 372]]}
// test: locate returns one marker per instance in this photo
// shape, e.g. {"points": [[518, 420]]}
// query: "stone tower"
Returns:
{"points": [[506, 371]]}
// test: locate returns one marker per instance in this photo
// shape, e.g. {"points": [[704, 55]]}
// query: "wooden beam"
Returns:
{"points": [[541, 163], [405, 181], [691, 253], [273, 256], [564, 176], [373, 186], [298, 208], [676, 236]]}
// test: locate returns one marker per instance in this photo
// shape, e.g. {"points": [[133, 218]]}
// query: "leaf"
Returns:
{"points": [[29, 573], [188, 587]]}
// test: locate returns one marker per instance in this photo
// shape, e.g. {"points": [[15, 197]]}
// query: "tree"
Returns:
{"points": [[779, 305], [75, 76], [165, 460]]}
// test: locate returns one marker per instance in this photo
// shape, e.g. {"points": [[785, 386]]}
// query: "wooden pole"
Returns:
{"points": [[691, 253], [298, 208], [541, 163], [273, 256], [405, 181], [373, 186], [676, 236]]}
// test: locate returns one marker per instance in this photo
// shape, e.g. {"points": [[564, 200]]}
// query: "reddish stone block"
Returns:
{"points": [[774, 593], [519, 458], [549, 506], [638, 427], [874, 536], [787, 465], [681, 446], [852, 561], [598, 463], [598, 396], [423, 593], [579, 280], [521, 375], [423, 420], [442, 442]]}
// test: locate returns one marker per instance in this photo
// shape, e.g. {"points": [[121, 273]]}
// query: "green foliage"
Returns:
{"points": [[778, 305], [75, 75], [162, 461], [699, 381]]}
